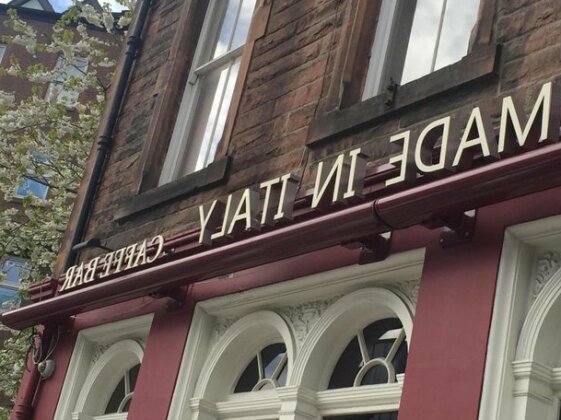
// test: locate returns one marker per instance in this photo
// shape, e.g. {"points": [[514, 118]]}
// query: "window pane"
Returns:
{"points": [[226, 28], [6, 295], [422, 41], [209, 151], [244, 20], [212, 87], [282, 376], [459, 20], [66, 73], [213, 105], [249, 378], [32, 187], [134, 376], [2, 51], [15, 269], [347, 367], [272, 356], [379, 338], [116, 398]]}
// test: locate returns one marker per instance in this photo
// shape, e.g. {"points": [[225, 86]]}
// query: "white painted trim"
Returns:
{"points": [[406, 266], [510, 389], [237, 347], [80, 367], [364, 399], [532, 334], [194, 356], [106, 373], [197, 398], [336, 328]]}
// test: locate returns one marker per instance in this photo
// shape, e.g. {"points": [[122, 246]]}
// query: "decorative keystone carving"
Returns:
{"points": [[409, 289], [304, 316], [546, 266]]}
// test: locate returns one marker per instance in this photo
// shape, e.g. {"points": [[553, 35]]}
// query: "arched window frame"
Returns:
{"points": [[396, 278], [213, 396], [103, 378], [326, 342], [80, 398], [523, 370]]}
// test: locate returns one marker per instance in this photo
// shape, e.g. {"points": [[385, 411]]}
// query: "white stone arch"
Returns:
{"points": [[540, 340], [237, 347], [336, 328], [105, 374], [537, 365]]}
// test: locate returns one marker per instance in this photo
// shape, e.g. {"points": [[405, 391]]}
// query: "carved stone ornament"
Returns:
{"points": [[546, 266], [220, 327], [304, 316], [408, 289], [99, 350]]}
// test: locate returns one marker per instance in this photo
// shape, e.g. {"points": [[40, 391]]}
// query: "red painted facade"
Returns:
{"points": [[453, 315]]}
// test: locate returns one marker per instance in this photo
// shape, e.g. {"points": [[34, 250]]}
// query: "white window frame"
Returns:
{"points": [[201, 393], [520, 383], [79, 389], [180, 143]]}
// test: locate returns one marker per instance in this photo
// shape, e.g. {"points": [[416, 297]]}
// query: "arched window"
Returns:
{"points": [[250, 362], [523, 372], [103, 371], [109, 386], [329, 347]]}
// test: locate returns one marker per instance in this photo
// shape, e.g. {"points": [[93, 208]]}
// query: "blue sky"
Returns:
{"points": [[61, 5]]}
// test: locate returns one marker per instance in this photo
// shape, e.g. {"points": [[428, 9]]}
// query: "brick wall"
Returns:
{"points": [[291, 73]]}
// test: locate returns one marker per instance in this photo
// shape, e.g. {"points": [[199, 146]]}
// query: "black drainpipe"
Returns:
{"points": [[106, 138]]}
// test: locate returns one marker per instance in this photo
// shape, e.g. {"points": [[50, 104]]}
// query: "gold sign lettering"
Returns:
{"points": [[131, 256], [477, 137]]}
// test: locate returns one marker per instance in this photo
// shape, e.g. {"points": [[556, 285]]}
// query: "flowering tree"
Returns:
{"points": [[45, 139]]}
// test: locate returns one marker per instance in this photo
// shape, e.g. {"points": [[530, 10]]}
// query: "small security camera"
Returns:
{"points": [[46, 368]]}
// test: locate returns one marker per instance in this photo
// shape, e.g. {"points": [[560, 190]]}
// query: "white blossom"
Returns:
{"points": [[41, 140]]}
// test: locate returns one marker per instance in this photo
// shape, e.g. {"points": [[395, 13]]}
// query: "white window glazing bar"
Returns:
{"points": [[219, 62], [438, 35], [363, 347]]}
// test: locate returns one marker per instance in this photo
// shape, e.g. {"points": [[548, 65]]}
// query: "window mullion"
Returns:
{"points": [[438, 35], [395, 346], [260, 366], [363, 347], [127, 382]]}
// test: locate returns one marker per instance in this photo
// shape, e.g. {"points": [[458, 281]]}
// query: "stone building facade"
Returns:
{"points": [[258, 265]]}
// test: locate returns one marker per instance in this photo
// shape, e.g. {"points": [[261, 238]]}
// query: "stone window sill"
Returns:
{"points": [[190, 184], [480, 64]]}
